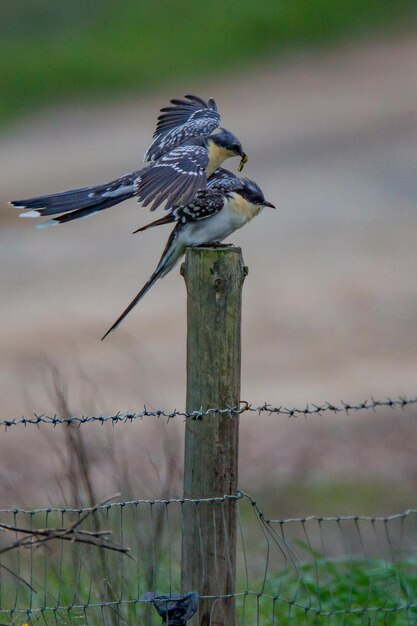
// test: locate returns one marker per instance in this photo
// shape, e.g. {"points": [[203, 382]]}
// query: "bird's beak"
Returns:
{"points": [[269, 204], [243, 160]]}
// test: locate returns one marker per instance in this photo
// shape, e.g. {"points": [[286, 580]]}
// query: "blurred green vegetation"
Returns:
{"points": [[341, 592], [51, 50], [336, 495], [354, 587]]}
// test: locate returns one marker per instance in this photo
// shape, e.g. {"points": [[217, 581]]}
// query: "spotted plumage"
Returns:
{"points": [[184, 152], [183, 170], [211, 217], [187, 119], [223, 180], [175, 177], [205, 204]]}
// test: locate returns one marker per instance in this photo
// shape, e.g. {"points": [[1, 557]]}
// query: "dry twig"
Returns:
{"points": [[34, 538]]}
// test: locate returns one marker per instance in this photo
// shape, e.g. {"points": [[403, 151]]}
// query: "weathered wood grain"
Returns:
{"points": [[214, 278]]}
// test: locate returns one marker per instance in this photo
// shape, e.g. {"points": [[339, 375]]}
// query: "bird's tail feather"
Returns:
{"points": [[80, 202], [79, 213], [134, 302], [171, 255], [167, 219]]}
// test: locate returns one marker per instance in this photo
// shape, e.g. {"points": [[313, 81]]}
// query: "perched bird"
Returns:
{"points": [[228, 203], [185, 151]]}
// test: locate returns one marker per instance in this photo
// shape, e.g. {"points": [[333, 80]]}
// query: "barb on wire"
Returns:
{"points": [[310, 409], [342, 407]]}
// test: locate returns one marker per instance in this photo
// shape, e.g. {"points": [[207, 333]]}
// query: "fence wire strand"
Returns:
{"points": [[348, 570], [329, 571], [244, 407]]}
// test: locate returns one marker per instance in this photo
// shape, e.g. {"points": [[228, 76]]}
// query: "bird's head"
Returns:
{"points": [[222, 145], [252, 193], [227, 140]]}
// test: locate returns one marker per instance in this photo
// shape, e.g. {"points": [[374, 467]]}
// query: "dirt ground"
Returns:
{"points": [[329, 304]]}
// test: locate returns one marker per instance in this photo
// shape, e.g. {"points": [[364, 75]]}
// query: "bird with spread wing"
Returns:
{"points": [[188, 145], [227, 203], [205, 202]]}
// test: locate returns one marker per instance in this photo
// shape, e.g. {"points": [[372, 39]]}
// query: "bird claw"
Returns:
{"points": [[216, 244]]}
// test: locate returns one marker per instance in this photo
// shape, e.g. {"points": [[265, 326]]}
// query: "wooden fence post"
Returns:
{"points": [[214, 278]]}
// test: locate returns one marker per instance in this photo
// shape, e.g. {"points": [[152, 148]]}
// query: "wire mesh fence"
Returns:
{"points": [[316, 570], [100, 565]]}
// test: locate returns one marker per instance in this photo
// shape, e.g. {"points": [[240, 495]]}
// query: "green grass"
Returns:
{"points": [[353, 585], [51, 50], [335, 593], [323, 592]]}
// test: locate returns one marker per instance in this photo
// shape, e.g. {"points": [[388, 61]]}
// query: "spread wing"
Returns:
{"points": [[205, 204], [223, 180], [174, 178], [189, 118]]}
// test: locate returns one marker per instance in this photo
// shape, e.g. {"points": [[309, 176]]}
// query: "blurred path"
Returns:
{"points": [[330, 300]]}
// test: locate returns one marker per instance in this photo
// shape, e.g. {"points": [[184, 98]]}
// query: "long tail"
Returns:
{"points": [[167, 219], [171, 255], [134, 302], [78, 202]]}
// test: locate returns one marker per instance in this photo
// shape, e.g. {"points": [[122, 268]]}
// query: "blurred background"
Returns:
{"points": [[324, 97]]}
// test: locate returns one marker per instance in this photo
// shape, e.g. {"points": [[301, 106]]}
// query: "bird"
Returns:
{"points": [[188, 146], [227, 203]]}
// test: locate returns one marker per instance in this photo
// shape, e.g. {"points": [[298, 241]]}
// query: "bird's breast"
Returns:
{"points": [[235, 214]]}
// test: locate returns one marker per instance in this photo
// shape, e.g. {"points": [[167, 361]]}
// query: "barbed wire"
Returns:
{"points": [[309, 409]]}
